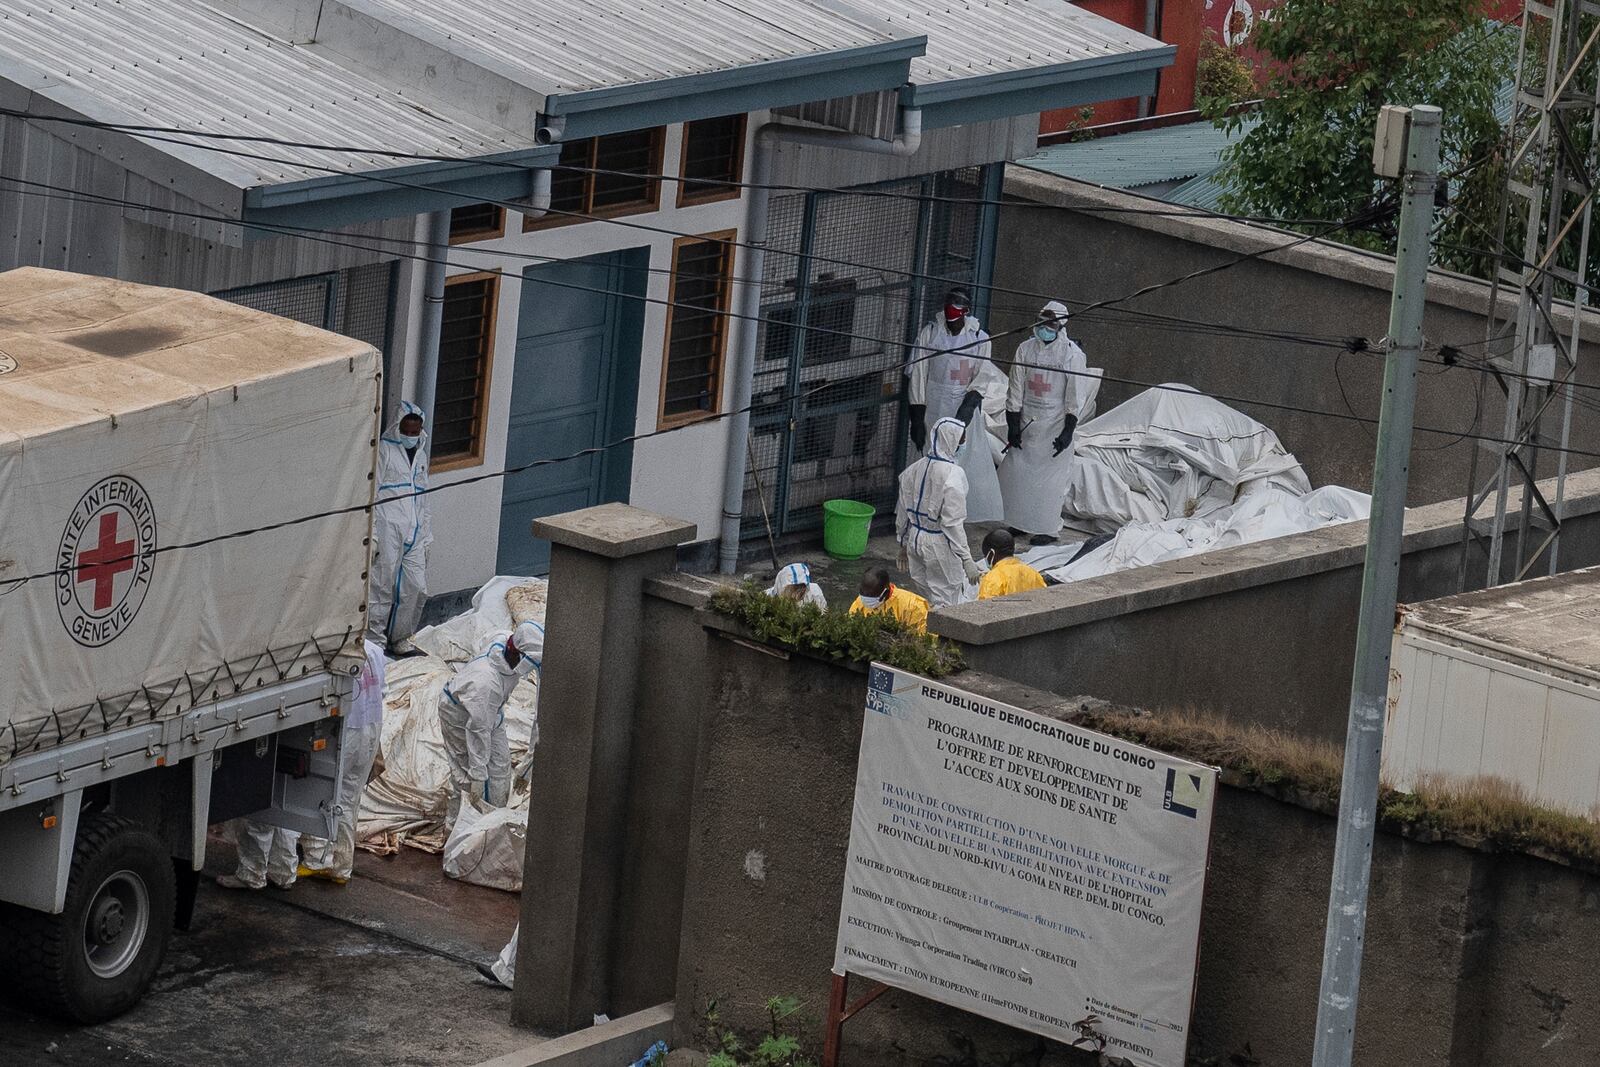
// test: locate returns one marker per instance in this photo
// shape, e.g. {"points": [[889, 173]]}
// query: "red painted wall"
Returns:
{"points": [[1180, 24], [1185, 23]]}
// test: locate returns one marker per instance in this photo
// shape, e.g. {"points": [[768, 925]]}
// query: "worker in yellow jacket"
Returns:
{"points": [[881, 596], [1007, 574]]}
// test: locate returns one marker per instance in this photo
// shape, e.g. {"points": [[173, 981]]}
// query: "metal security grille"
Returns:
{"points": [[357, 302], [828, 419]]}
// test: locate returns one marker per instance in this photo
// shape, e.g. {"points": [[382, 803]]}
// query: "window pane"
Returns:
{"points": [[475, 220], [699, 326], [464, 338], [712, 149], [635, 155], [569, 188]]}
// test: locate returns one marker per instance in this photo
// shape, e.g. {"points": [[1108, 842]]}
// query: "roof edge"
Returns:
{"points": [[751, 87]]}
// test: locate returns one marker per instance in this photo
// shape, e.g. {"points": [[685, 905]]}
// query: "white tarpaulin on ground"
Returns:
{"points": [[1263, 514], [405, 805], [1024, 869], [138, 418], [1172, 453]]}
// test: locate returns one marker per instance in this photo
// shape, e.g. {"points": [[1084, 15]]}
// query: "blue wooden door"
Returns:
{"points": [[575, 386]]}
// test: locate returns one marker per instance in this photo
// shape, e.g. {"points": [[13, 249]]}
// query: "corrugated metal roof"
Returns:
{"points": [[177, 63], [601, 44], [1143, 157], [980, 38]]}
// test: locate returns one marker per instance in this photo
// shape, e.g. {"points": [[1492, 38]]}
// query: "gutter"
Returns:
{"points": [[905, 143]]}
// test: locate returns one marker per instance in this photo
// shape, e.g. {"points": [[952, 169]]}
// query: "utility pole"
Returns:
{"points": [[1407, 146]]}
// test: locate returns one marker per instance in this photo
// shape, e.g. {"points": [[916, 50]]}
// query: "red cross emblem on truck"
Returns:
{"points": [[105, 561], [102, 563]]}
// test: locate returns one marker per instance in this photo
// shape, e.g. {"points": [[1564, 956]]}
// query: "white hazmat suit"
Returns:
{"points": [[1049, 381], [799, 574], [358, 747], [473, 722], [930, 518], [402, 529], [943, 367]]}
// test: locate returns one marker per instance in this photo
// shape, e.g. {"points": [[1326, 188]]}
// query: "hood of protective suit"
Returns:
{"points": [[946, 438], [1057, 310], [391, 432], [793, 574]]}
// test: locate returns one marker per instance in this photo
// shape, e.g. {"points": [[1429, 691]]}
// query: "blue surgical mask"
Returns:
{"points": [[409, 442], [1046, 334], [871, 601]]}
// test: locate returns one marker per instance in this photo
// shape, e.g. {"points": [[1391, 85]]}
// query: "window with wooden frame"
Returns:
{"points": [[697, 327], [477, 222], [466, 357], [617, 174], [712, 157]]}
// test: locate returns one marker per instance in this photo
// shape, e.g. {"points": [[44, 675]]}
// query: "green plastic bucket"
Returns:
{"points": [[845, 526]]}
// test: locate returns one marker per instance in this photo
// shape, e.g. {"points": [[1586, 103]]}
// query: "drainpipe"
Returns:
{"points": [[437, 243], [1152, 26], [538, 201], [436, 246], [905, 143]]}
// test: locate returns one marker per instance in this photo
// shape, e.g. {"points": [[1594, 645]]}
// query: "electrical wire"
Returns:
{"points": [[168, 135], [11, 584], [337, 238], [1088, 310]]}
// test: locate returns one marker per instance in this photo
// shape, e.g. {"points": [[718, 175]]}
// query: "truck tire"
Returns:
{"points": [[96, 959]]}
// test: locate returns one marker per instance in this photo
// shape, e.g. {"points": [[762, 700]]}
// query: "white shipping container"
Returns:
{"points": [[1504, 683], [141, 429]]}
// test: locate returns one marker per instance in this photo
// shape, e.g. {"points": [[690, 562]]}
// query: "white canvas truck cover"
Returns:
{"points": [[136, 422]]}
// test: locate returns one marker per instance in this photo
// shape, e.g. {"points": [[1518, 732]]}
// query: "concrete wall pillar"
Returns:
{"points": [[577, 834]]}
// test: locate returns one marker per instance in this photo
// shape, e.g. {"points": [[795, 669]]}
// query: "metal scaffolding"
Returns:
{"points": [[1550, 186]]}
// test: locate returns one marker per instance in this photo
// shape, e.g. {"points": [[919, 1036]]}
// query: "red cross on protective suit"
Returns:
{"points": [[1039, 385], [102, 563], [964, 371]]}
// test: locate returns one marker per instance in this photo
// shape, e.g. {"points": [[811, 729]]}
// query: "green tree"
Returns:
{"points": [[1330, 66]]}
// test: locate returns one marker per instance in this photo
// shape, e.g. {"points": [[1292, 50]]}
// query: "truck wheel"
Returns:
{"points": [[96, 959]]}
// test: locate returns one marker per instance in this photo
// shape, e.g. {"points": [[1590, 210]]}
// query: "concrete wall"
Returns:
{"points": [[1473, 959], [1095, 244], [1262, 633]]}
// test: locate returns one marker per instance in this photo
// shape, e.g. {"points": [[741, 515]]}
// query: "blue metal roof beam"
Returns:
{"points": [[1021, 92], [752, 87], [345, 199]]}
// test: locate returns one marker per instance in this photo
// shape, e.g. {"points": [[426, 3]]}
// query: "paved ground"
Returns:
{"points": [[270, 978]]}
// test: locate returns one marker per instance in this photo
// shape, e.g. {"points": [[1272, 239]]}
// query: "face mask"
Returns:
{"points": [[871, 601], [955, 316], [1046, 334], [409, 442]]}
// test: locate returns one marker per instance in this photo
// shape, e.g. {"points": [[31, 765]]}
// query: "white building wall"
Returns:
{"points": [[679, 473]]}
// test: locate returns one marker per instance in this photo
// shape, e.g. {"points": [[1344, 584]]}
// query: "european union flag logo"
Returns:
{"points": [[880, 680]]}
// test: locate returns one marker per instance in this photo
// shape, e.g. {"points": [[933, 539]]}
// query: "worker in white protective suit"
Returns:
{"points": [[401, 532], [473, 721], [334, 860], [1050, 382], [794, 583], [930, 519], [949, 373]]}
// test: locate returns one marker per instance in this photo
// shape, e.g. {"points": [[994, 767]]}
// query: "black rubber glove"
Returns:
{"points": [[969, 406], [1064, 438], [1013, 429], [919, 426]]}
